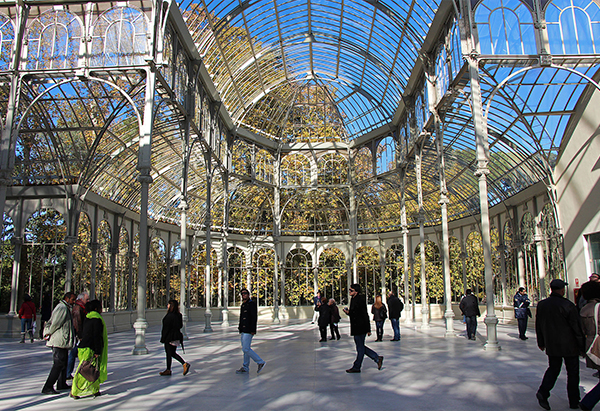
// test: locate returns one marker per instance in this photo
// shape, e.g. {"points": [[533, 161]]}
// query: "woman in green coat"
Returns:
{"points": [[93, 347]]}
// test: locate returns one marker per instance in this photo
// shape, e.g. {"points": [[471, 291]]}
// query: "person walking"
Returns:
{"points": [[469, 306], [591, 324], [522, 311], [324, 318], [559, 333], [79, 314], [396, 306], [27, 316], [360, 327], [61, 338], [247, 328], [93, 346], [335, 319], [379, 312], [171, 337], [316, 302]]}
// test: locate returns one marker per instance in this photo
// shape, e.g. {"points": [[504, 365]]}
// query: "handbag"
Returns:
{"points": [[593, 353], [89, 370]]}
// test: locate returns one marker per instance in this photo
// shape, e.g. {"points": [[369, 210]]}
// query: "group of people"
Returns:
{"points": [[565, 333], [328, 314], [80, 328]]}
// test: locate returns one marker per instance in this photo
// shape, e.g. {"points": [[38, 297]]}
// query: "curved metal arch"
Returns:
{"points": [[307, 190], [71, 80]]}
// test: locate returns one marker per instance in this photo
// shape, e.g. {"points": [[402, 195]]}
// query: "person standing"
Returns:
{"points": [[324, 318], [316, 302], [581, 300], [27, 316], [360, 327], [93, 345], [61, 337], [522, 311], [469, 306], [335, 319], [396, 306], [79, 314], [247, 328], [559, 333], [171, 336], [379, 312]]}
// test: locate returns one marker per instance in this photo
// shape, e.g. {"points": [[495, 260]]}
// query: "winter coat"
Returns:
{"points": [[60, 327], [558, 327], [587, 314], [379, 314], [27, 310], [396, 306], [171, 327], [248, 317], [79, 314], [359, 317], [335, 314], [521, 303], [469, 306], [324, 315]]}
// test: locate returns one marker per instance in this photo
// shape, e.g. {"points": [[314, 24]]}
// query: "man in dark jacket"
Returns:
{"points": [[559, 333], [396, 306], [469, 306], [522, 311], [360, 327], [247, 328], [324, 318]]}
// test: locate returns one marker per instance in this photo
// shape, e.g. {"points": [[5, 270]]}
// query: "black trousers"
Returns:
{"points": [[171, 351], [335, 331], [323, 331], [58, 372], [522, 326], [551, 375]]}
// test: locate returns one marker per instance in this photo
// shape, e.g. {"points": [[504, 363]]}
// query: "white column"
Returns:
{"points": [[183, 302], [449, 314]]}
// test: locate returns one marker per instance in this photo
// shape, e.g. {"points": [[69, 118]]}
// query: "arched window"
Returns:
{"points": [[386, 155], [263, 262], [295, 170], [7, 37], [369, 272], [119, 38], [505, 27], [54, 40], [573, 26], [236, 265], [299, 278], [333, 277], [441, 71], [332, 169], [394, 270], [241, 162]]}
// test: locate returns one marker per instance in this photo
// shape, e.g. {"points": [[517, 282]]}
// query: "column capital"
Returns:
{"points": [[482, 171], [5, 178], [443, 199], [145, 176], [94, 246], [71, 239], [17, 241]]}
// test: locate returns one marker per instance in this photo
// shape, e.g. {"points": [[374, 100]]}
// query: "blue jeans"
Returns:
{"points": [[71, 361], [361, 350], [26, 324], [471, 326], [249, 352], [396, 327]]}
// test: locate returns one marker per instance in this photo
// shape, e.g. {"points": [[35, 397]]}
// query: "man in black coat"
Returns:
{"points": [[360, 327], [247, 328], [469, 306], [324, 317], [396, 306], [559, 333]]}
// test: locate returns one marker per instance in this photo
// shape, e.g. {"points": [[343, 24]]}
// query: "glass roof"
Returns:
{"points": [[266, 56]]}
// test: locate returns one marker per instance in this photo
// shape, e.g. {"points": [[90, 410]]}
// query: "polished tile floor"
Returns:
{"points": [[425, 371]]}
